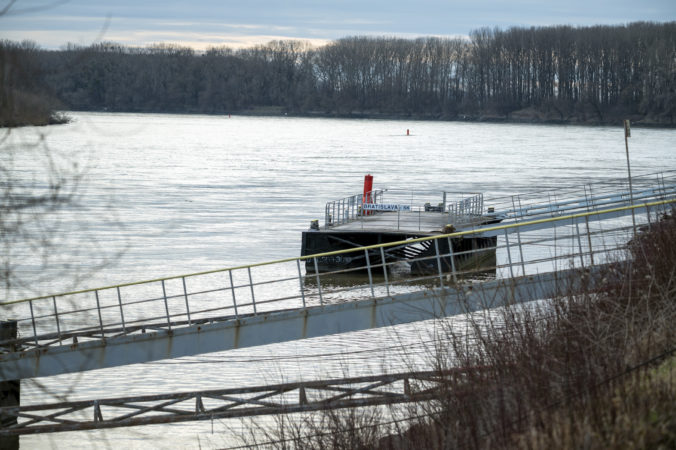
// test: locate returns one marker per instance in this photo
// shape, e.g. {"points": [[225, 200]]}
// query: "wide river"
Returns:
{"points": [[159, 195]]}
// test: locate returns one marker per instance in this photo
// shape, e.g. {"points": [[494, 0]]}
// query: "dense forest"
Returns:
{"points": [[549, 74]]}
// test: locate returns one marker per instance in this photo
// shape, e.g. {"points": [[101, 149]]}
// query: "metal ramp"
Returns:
{"points": [[543, 249], [164, 318], [89, 349], [585, 198]]}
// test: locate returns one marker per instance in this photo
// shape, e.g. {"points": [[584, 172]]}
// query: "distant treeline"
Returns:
{"points": [[562, 73]]}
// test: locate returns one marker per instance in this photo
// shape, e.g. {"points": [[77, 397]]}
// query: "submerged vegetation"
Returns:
{"points": [[592, 370], [548, 74]]}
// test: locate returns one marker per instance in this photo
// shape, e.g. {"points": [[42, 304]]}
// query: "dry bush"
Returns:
{"points": [[581, 358], [574, 372]]}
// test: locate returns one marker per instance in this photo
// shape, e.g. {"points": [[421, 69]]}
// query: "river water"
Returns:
{"points": [[161, 195]]}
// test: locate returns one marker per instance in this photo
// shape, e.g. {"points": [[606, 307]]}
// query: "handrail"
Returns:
{"points": [[465, 211], [637, 180], [356, 249], [592, 201]]}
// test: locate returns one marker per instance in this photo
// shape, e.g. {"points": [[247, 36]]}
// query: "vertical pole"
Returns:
{"points": [[166, 304], [441, 273], [572, 245], [579, 242], [661, 187], [368, 269], [319, 284], [450, 254], [253, 298], [591, 249], [516, 216], [300, 282], [509, 254], [518, 241], [98, 417], [520, 205], [185, 296], [382, 258], [232, 289], [119, 301], [627, 135], [591, 197], [98, 308], [35, 330], [56, 316], [10, 390]]}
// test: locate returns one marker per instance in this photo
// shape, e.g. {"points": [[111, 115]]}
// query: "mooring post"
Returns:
{"points": [[627, 135], [10, 391]]}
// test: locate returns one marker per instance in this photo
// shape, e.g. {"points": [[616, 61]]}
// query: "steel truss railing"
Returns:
{"points": [[349, 208], [522, 248], [229, 403]]}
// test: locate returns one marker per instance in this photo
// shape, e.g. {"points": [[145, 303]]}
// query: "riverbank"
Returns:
{"points": [[527, 116], [592, 370], [524, 116], [34, 119]]}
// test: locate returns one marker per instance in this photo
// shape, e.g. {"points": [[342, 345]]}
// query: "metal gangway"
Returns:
{"points": [[541, 250], [585, 198]]}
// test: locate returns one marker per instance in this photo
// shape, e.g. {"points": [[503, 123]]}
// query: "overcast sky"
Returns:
{"points": [[204, 23]]}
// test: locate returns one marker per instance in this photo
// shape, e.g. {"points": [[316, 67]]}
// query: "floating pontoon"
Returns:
{"points": [[390, 215]]}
